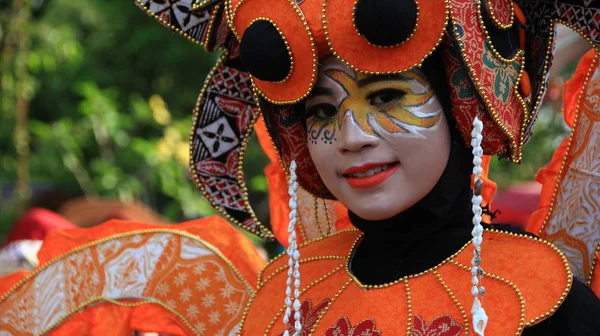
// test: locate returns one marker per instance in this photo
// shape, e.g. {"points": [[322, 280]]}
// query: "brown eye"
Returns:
{"points": [[385, 97], [322, 111]]}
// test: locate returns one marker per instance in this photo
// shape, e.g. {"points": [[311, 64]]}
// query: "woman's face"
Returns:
{"points": [[379, 142]]}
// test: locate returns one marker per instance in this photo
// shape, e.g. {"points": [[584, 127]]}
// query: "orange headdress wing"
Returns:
{"points": [[568, 211]]}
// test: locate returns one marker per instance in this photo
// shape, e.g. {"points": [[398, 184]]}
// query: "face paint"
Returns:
{"points": [[380, 143], [395, 104]]}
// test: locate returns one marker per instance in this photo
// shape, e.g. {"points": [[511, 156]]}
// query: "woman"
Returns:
{"points": [[371, 103]]}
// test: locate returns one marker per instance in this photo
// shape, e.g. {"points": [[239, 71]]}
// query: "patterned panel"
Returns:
{"points": [[573, 224], [176, 270], [201, 22], [496, 79], [223, 120]]}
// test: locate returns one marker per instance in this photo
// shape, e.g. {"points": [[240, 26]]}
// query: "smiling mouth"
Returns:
{"points": [[369, 175]]}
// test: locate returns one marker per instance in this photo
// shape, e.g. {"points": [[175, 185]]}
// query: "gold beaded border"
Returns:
{"points": [[260, 275], [397, 44], [304, 290], [515, 57], [453, 297], [405, 278], [301, 261], [339, 292], [409, 308], [140, 4], [287, 46], [593, 268], [137, 303], [326, 30], [266, 233], [516, 154], [507, 282], [196, 5], [232, 14], [497, 22], [185, 234], [563, 165], [209, 29]]}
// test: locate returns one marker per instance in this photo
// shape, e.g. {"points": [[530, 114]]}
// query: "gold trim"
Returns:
{"points": [[140, 4], [210, 27], [196, 5], [325, 29], [453, 297], [511, 284], [93, 243], [392, 46], [560, 176], [302, 261], [267, 234], [340, 291], [516, 155], [309, 286], [326, 210], [316, 208], [409, 309], [497, 22], [594, 263], [489, 40]]}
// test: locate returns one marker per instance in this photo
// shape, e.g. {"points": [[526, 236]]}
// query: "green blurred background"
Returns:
{"points": [[96, 100]]}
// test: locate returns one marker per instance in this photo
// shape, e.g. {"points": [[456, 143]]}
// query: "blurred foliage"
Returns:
{"points": [[100, 76]]}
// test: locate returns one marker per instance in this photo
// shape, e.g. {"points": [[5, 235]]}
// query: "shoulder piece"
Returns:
{"points": [[526, 280]]}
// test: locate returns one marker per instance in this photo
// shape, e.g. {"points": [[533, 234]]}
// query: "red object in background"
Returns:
{"points": [[36, 223], [517, 203]]}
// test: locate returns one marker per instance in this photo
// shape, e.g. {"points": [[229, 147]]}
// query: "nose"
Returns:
{"points": [[352, 138]]}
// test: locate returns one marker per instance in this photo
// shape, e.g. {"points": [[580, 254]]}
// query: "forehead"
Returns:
{"points": [[332, 63]]}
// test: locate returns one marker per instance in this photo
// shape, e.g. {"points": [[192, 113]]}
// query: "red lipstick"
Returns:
{"points": [[364, 182]]}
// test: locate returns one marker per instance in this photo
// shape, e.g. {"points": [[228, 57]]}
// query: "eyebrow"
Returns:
{"points": [[321, 91], [378, 78]]}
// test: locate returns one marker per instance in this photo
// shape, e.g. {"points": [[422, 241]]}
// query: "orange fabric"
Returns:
{"points": [[595, 283], [203, 270], [114, 320], [512, 300], [356, 50], [299, 40], [565, 216]]}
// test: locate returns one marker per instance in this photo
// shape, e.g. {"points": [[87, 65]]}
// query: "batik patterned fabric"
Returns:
{"points": [[199, 21], [569, 214], [223, 119], [189, 285]]}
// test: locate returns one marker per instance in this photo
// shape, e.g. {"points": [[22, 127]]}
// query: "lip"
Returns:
{"points": [[369, 181]]}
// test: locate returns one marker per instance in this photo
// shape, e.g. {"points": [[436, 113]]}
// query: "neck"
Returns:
{"points": [[421, 236]]}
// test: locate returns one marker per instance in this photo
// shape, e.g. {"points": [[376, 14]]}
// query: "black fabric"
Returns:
{"points": [[385, 22], [505, 41], [264, 53]]}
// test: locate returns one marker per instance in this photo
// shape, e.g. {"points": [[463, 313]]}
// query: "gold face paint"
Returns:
{"points": [[397, 104]]}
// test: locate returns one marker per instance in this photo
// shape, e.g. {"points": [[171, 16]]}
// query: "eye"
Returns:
{"points": [[322, 111], [385, 97]]}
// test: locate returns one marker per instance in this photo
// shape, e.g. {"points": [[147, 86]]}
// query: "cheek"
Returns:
{"points": [[321, 153]]}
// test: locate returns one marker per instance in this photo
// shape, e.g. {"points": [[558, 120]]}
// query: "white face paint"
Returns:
{"points": [[380, 143]]}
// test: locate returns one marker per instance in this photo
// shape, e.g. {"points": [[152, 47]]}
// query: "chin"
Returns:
{"points": [[378, 213]]}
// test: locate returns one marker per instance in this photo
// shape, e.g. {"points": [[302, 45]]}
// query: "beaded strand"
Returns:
{"points": [[479, 317], [294, 257]]}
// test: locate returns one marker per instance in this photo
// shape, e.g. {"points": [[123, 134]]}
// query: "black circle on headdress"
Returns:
{"points": [[264, 53], [385, 23]]}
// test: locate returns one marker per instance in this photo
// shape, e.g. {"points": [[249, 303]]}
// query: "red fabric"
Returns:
{"points": [[517, 203], [36, 223]]}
